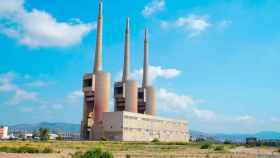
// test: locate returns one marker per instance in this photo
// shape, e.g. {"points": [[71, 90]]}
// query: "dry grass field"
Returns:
{"points": [[64, 149]]}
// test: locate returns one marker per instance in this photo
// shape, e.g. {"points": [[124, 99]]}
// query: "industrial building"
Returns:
{"points": [[135, 107], [4, 132]]}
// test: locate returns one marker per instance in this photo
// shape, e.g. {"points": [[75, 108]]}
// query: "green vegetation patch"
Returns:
{"points": [[219, 148], [93, 153], [25, 149], [206, 146], [156, 140]]}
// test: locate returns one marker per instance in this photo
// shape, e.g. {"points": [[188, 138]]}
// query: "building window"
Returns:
{"points": [[87, 82]]}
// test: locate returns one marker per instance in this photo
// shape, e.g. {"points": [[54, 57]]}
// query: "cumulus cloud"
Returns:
{"points": [[193, 24], [50, 106], [38, 28], [156, 72], [6, 84], [224, 24], [11, 6], [171, 100], [37, 83], [204, 114], [75, 96], [275, 119], [26, 109], [183, 103], [245, 119], [22, 95], [57, 106], [153, 7], [19, 94]]}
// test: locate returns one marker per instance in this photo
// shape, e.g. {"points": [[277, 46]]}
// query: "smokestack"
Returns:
{"points": [[102, 95], [145, 66], [151, 101], [98, 49], [131, 92], [126, 53]]}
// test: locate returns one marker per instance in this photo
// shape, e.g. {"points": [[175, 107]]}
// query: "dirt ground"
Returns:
{"points": [[142, 150]]}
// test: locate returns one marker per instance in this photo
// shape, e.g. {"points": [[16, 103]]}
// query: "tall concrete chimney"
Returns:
{"points": [[98, 49], [146, 64], [125, 76], [102, 79]]}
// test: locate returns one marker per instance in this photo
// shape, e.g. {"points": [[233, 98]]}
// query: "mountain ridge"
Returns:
{"points": [[73, 127]]}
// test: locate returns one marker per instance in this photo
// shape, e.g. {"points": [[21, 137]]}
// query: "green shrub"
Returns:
{"points": [[227, 142], [156, 140], [77, 154], [206, 146], [25, 149], [44, 134], [94, 153], [47, 150], [59, 137], [103, 139], [219, 148]]}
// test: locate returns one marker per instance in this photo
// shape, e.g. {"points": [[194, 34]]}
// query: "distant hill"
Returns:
{"points": [[65, 127], [69, 127], [236, 137]]}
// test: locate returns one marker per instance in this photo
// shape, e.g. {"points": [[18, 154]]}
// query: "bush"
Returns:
{"points": [[219, 148], [206, 146], [227, 142], [156, 140], [103, 139], [47, 150], [94, 153], [44, 134], [278, 150], [59, 137], [25, 149]]}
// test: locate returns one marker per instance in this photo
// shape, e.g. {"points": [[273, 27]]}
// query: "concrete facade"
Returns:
{"points": [[135, 107], [88, 105], [128, 126], [3, 132]]}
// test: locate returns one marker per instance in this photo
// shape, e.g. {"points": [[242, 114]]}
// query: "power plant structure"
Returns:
{"points": [[135, 107]]}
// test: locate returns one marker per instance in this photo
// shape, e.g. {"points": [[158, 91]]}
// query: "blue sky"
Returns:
{"points": [[213, 63]]}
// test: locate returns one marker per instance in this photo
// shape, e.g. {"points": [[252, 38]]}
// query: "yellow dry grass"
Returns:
{"points": [[139, 150]]}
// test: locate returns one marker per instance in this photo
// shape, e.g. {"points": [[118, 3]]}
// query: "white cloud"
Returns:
{"points": [[57, 106], [6, 84], [156, 72], [9, 7], [164, 24], [245, 119], [193, 24], [204, 114], [37, 28], [26, 109], [22, 95], [171, 100], [275, 119], [153, 7], [37, 83], [19, 94], [75, 96], [224, 24], [6, 87]]}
